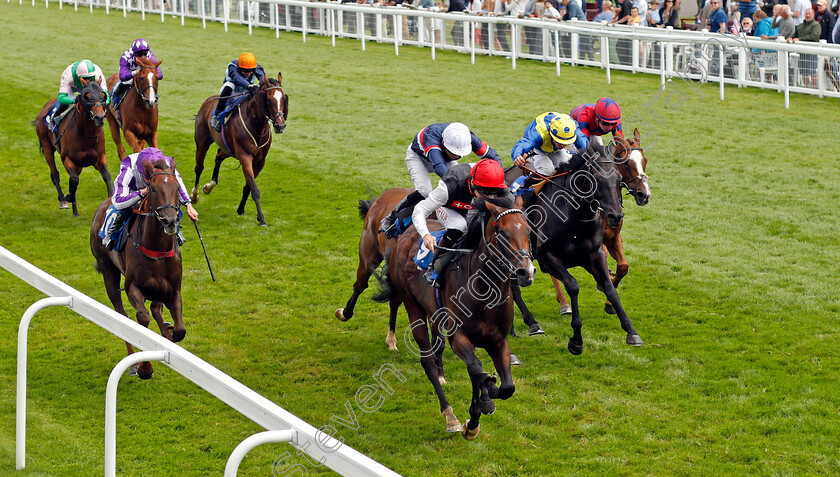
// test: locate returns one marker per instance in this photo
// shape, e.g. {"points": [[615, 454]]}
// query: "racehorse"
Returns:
{"points": [[138, 113], [372, 248], [568, 221], [632, 163], [245, 136], [80, 141], [151, 260], [474, 309]]}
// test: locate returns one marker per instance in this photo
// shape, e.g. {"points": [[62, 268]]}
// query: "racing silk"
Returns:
{"points": [[130, 180], [585, 117], [537, 136], [71, 85], [128, 65], [452, 192], [428, 144], [240, 81]]}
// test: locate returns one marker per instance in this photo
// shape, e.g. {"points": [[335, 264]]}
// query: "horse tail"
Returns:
{"points": [[364, 205]]}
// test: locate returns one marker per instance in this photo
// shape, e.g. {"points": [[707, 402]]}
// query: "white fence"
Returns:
{"points": [[699, 57], [319, 446]]}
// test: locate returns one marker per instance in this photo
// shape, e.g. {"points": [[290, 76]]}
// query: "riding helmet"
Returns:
{"points": [[563, 129], [607, 110], [488, 173], [247, 61], [457, 139]]}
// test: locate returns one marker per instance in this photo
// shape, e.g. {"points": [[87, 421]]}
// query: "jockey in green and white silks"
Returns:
{"points": [[73, 79]]}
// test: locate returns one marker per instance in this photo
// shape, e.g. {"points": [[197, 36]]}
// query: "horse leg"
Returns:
{"points": [[616, 249], [391, 339], [157, 314], [153, 141], [131, 139], [201, 146], [565, 309], [220, 157], [598, 269], [420, 332], [114, 126], [102, 167], [49, 155], [465, 350], [369, 258], [112, 276], [554, 266], [534, 328], [255, 191], [138, 301], [74, 184], [176, 311]]}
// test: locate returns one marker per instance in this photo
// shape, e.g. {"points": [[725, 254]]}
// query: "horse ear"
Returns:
{"points": [[636, 136], [147, 169], [280, 78], [518, 202], [492, 208], [158, 63]]}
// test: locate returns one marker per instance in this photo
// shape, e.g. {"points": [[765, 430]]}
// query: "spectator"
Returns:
{"points": [[457, 26], [654, 19], [502, 7], [562, 12], [747, 26], [717, 20], [605, 14], [703, 15], [635, 19], [798, 11], [808, 30], [533, 36], [826, 20], [549, 11], [669, 15], [623, 46], [642, 5], [747, 8], [783, 22], [835, 35]]}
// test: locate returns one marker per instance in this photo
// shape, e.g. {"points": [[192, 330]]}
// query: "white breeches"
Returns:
{"points": [[421, 171], [451, 219]]}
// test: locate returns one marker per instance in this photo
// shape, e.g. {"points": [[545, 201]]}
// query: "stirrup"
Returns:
{"points": [[215, 123], [181, 238], [432, 277], [386, 226], [108, 243]]}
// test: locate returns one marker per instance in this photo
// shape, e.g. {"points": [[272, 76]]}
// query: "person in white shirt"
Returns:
{"points": [[798, 13]]}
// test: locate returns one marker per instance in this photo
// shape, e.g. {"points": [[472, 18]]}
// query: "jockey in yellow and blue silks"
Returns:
{"points": [[73, 79], [552, 137], [240, 76]]}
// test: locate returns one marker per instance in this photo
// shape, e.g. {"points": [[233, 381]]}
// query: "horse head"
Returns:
{"points": [[92, 103], [509, 242], [632, 163], [163, 199], [276, 102], [146, 81], [597, 179]]}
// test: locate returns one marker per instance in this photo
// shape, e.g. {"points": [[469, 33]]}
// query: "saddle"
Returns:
{"points": [[230, 108], [115, 99], [56, 119]]}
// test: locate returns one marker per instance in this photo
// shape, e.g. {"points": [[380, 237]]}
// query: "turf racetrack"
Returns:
{"points": [[730, 284]]}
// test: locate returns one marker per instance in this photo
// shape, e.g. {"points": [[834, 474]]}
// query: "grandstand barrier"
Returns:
{"points": [[316, 445], [695, 56]]}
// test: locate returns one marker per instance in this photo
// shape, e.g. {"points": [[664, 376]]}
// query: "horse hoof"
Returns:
{"points": [[452, 422], [576, 349], [514, 360], [565, 310], [339, 313], [441, 380], [63, 205], [634, 340], [132, 371], [468, 434], [144, 374], [391, 341], [240, 211], [608, 308], [208, 187], [487, 407], [263, 224], [535, 329]]}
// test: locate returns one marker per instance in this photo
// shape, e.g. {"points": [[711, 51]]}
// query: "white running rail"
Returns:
{"points": [[340, 457]]}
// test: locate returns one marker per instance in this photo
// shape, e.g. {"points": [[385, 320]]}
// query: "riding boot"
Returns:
{"points": [[121, 88], [58, 112], [386, 226], [220, 106], [108, 241], [434, 274]]}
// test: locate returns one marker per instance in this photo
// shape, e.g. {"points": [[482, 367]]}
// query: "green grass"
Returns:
{"points": [[730, 282]]}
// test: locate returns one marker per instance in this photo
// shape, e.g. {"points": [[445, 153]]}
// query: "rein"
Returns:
{"points": [[153, 254], [503, 260], [137, 81]]}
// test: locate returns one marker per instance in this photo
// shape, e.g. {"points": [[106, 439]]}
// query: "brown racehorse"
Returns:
{"points": [[151, 259], [632, 163], [372, 247], [138, 113], [246, 137], [476, 308], [80, 139]]}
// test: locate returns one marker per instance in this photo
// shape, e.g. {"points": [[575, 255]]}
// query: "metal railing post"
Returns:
{"points": [[23, 335], [111, 403], [267, 437]]}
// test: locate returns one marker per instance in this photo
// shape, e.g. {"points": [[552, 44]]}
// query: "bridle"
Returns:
{"points": [[87, 105], [504, 260], [137, 82], [152, 254], [267, 117], [638, 179]]}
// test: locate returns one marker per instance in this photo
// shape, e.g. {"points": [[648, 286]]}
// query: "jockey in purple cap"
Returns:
{"points": [[130, 188], [128, 65]]}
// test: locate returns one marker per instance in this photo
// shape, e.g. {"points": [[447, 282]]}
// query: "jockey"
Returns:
{"points": [[73, 79], [552, 137], [451, 200], [240, 76], [437, 148], [130, 188], [598, 119], [128, 65]]}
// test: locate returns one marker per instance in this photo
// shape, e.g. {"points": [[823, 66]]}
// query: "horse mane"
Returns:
{"points": [[144, 61]]}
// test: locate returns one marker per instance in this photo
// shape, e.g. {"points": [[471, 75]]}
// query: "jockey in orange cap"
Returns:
{"points": [[240, 76]]}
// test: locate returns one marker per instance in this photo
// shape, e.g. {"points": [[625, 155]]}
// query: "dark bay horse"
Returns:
{"points": [[151, 259], [245, 136], [138, 113], [568, 222], [475, 310], [80, 141], [372, 247]]}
